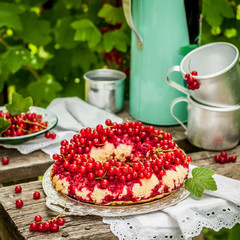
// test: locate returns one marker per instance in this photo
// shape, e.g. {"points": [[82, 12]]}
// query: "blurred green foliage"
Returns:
{"points": [[222, 234], [221, 21], [47, 45]]}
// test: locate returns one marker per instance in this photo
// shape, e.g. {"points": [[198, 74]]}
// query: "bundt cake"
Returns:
{"points": [[119, 164]]}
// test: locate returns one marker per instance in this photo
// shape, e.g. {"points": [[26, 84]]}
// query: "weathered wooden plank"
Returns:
{"points": [[23, 166], [14, 223], [206, 159]]}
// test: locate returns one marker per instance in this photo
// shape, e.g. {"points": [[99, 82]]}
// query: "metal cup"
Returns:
{"points": [[218, 73], [104, 88], [210, 128]]}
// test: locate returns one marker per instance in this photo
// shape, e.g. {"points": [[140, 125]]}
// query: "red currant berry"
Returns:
{"points": [[104, 183], [194, 73], [55, 156], [187, 76], [19, 203], [148, 175], [5, 160], [108, 122], [122, 178], [47, 135], [38, 218], [61, 221], [91, 176], [223, 154], [54, 227], [53, 135], [33, 227], [99, 128], [40, 227], [36, 195], [222, 160], [217, 158], [233, 158], [47, 226], [64, 142], [18, 189], [98, 165]]}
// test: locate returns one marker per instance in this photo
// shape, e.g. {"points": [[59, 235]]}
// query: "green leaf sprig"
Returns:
{"points": [[201, 180], [4, 125], [19, 104]]}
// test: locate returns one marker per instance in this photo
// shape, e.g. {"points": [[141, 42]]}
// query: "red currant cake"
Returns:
{"points": [[119, 164]]}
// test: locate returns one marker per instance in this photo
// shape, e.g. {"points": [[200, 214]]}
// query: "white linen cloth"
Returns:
{"points": [[215, 210]]}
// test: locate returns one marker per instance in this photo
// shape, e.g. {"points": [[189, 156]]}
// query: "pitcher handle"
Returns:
{"points": [[174, 84], [173, 103], [127, 9]]}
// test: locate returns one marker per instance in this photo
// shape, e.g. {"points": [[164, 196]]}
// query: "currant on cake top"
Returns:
{"points": [[153, 152]]}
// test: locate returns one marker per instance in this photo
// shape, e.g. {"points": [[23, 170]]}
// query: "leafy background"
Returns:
{"points": [[47, 45]]}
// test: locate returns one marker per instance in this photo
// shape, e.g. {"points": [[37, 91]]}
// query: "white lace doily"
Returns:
{"points": [[190, 223], [215, 210]]}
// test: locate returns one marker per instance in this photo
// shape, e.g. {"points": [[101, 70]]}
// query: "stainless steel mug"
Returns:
{"points": [[104, 88], [218, 73], [210, 128]]}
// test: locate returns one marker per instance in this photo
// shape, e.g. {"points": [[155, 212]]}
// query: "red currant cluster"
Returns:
{"points": [[22, 124], [224, 158], [5, 160], [50, 225], [50, 135], [154, 151], [114, 57], [19, 202], [110, 27], [191, 81]]}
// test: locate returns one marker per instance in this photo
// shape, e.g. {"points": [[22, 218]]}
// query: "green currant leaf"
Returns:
{"points": [[215, 15], [19, 104], [187, 49], [44, 90], [72, 3], [84, 58], [202, 179], [14, 58], [4, 125], [35, 30], [111, 14], [9, 16], [86, 31], [64, 34], [116, 39]]}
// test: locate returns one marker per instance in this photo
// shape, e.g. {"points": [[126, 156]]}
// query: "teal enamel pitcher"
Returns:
{"points": [[159, 30]]}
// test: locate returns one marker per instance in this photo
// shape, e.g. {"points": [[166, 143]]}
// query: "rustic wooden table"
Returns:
{"points": [[14, 223]]}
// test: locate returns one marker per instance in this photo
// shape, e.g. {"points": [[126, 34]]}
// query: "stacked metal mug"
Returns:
{"points": [[214, 108]]}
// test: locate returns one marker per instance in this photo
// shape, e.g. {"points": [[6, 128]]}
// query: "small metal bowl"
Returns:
{"points": [[104, 88]]}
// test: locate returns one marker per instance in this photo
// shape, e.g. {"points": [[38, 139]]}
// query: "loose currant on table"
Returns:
{"points": [[49, 225], [223, 158]]}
